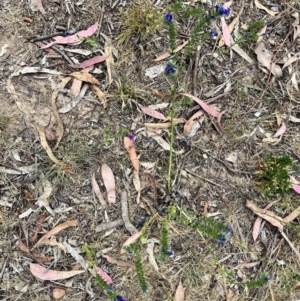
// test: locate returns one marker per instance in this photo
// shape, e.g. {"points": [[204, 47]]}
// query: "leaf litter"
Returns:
{"points": [[143, 146]]}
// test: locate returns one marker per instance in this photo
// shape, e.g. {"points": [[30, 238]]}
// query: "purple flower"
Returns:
{"points": [[213, 33], [228, 229], [168, 18], [131, 137], [222, 239], [222, 10], [170, 69], [120, 298]]}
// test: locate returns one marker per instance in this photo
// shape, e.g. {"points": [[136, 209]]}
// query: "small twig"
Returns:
{"points": [[41, 38], [62, 54], [196, 70], [109, 225], [128, 225], [291, 245], [207, 180], [100, 21]]}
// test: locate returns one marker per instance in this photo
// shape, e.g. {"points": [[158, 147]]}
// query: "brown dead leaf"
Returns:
{"points": [[61, 85], [109, 183], [167, 54], [53, 243], [58, 293], [97, 191], [160, 95], [189, 123], [119, 263], [257, 223], [39, 5], [292, 216], [179, 295], [153, 185], [164, 125], [45, 274], [260, 6], [38, 228], [264, 57], [129, 145], [108, 48], [130, 240], [85, 77], [57, 229], [47, 148], [100, 95], [247, 265], [269, 216], [40, 257]]}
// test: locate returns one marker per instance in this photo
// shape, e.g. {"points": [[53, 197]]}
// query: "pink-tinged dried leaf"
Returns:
{"points": [[179, 295], [153, 113], [56, 230], [128, 143], [109, 183], [257, 223], [292, 215], [264, 57], [76, 85], [91, 62], [296, 188], [130, 240], [269, 216], [189, 124], [167, 54], [208, 109], [247, 264], [51, 275], [58, 293], [74, 39], [226, 33], [104, 275], [39, 5], [97, 191], [280, 131], [291, 60]]}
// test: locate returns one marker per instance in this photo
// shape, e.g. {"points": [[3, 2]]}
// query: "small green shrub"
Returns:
{"points": [[274, 175]]}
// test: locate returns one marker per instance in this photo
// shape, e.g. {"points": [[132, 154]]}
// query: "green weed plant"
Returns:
{"points": [[274, 175]]}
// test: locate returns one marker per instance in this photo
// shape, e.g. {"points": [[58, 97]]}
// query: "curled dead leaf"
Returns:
{"points": [[264, 57]]}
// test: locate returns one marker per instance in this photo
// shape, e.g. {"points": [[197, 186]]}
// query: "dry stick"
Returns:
{"points": [[62, 54], [41, 38], [128, 225], [109, 225], [268, 82], [196, 70], [291, 245], [100, 21]]}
